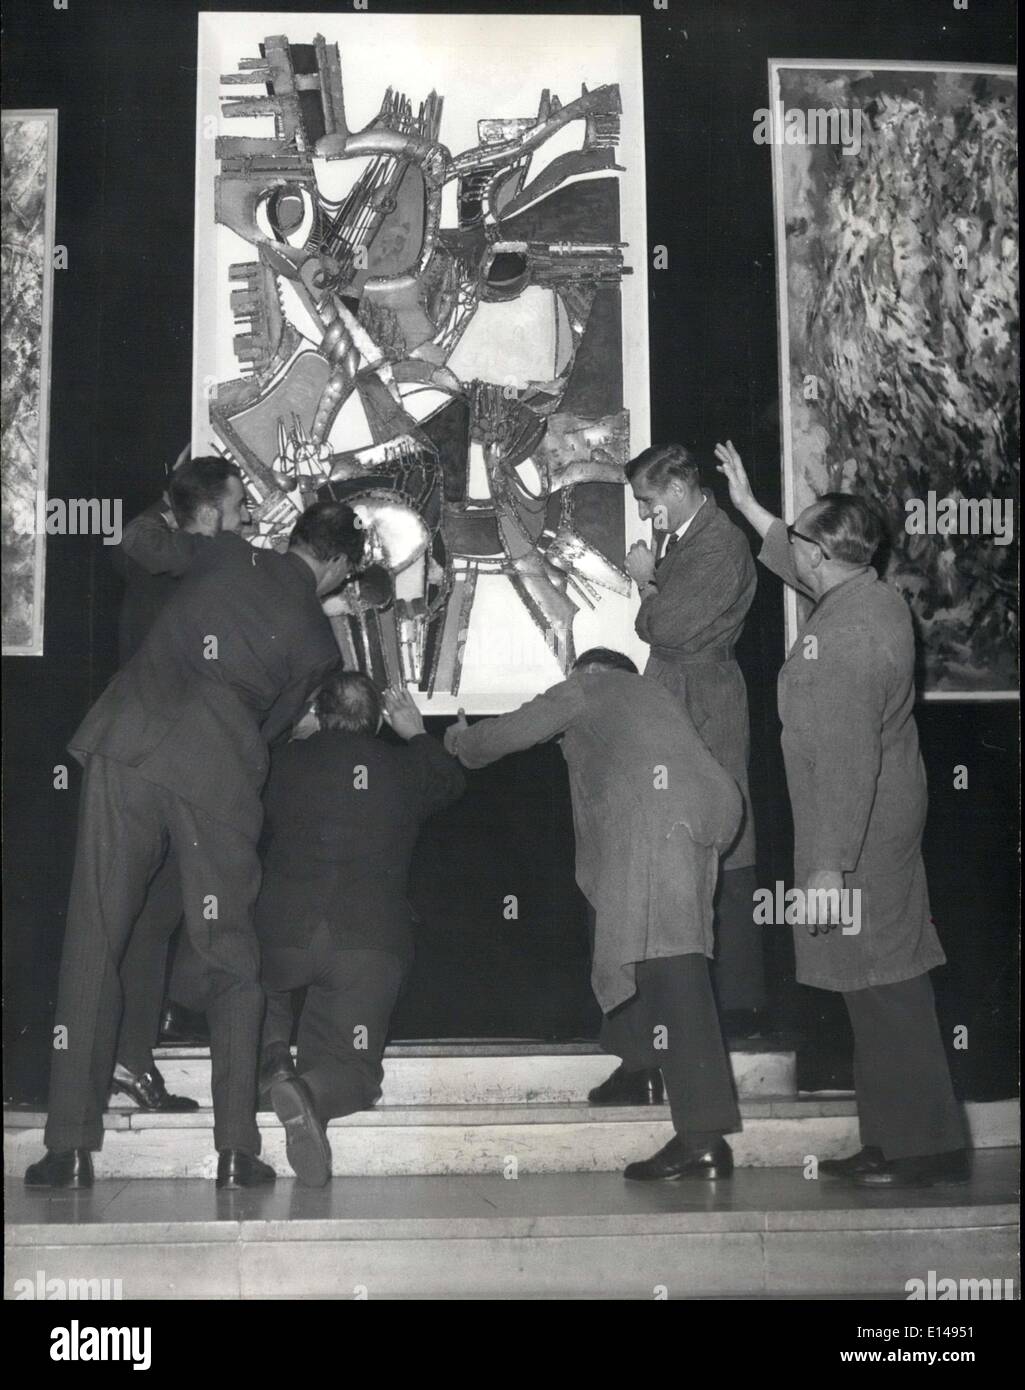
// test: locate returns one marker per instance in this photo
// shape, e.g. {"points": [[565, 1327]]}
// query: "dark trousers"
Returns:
{"points": [[344, 1022], [144, 982], [906, 1102], [144, 968], [127, 827], [672, 1023], [738, 971]]}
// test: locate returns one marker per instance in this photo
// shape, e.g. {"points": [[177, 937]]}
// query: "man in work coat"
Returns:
{"points": [[175, 756], [858, 792], [696, 588], [652, 810]]}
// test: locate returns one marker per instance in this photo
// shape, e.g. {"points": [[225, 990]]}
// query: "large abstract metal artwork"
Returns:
{"points": [[459, 385]]}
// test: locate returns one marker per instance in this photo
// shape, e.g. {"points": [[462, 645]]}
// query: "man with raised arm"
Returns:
{"points": [[858, 792]]}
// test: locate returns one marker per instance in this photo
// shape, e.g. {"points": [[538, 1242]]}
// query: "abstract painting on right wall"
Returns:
{"points": [[897, 262]]}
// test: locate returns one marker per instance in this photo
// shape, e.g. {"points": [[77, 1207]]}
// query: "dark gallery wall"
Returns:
{"points": [[122, 75]]}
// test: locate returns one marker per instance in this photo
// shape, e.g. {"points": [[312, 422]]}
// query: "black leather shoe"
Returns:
{"points": [[675, 1161], [305, 1141], [275, 1065], [67, 1168], [180, 1025], [926, 1171], [149, 1092], [630, 1088], [864, 1161], [238, 1169]]}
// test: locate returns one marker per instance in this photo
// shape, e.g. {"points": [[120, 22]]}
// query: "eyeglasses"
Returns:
{"points": [[792, 531]]}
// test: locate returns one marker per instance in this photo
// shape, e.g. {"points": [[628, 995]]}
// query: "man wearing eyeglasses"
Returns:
{"points": [[858, 792]]}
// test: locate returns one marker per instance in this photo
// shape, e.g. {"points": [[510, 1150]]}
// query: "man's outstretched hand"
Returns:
{"points": [[741, 495], [733, 470], [452, 734], [342, 604], [402, 714]]}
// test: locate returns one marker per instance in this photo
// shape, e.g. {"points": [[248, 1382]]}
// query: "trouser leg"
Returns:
{"points": [[674, 994], [625, 1034], [739, 968], [277, 1021], [344, 1027], [120, 844], [282, 970], [220, 878], [144, 968], [906, 1102], [867, 1111], [622, 1032]]}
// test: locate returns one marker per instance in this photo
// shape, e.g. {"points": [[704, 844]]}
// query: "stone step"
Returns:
{"points": [[391, 1141], [494, 1074], [766, 1233]]}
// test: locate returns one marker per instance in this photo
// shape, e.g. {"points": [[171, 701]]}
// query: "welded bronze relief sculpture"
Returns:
{"points": [[460, 385]]}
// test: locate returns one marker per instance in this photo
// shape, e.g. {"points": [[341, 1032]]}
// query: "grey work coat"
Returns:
{"points": [[706, 584], [856, 778], [652, 810]]}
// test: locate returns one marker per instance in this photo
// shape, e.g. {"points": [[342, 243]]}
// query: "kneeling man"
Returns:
{"points": [[343, 812], [652, 812]]}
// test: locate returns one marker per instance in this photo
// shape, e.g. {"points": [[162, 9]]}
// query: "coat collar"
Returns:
{"points": [[702, 518], [841, 591], [302, 569]]}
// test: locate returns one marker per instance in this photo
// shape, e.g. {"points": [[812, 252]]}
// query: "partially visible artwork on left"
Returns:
{"points": [[424, 300], [27, 192]]}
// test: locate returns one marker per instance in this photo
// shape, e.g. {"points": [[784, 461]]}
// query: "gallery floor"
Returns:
{"points": [[768, 1232], [484, 1173]]}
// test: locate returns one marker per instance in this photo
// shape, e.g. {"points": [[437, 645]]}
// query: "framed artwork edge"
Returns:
{"points": [[774, 66], [49, 116]]}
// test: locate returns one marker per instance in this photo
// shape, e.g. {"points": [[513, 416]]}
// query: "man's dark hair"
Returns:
{"points": [[197, 483], [349, 701], [329, 530], [850, 528], [605, 656], [661, 463]]}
